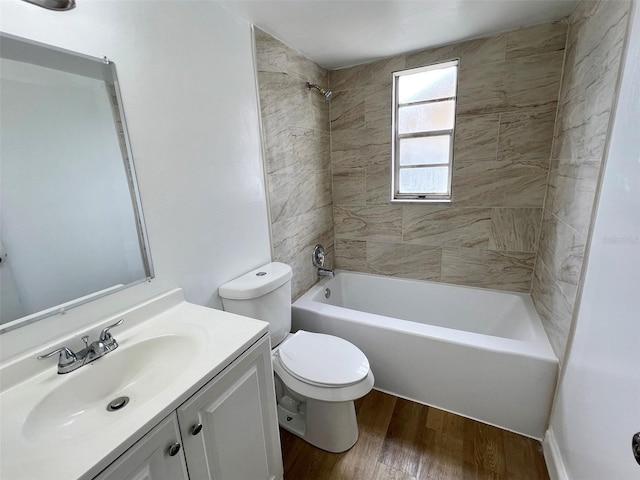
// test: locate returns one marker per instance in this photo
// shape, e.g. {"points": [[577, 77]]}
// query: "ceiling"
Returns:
{"points": [[340, 33]]}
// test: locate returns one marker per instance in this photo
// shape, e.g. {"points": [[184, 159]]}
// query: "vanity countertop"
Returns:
{"points": [[57, 426]]}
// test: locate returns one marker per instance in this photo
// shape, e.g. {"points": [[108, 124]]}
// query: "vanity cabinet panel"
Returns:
{"points": [[239, 437], [150, 458]]}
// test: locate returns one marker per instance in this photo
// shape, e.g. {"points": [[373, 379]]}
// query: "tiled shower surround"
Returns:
{"points": [[507, 96], [522, 192], [592, 67], [295, 131]]}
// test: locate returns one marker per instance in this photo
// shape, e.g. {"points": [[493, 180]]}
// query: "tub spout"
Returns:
{"points": [[325, 272]]}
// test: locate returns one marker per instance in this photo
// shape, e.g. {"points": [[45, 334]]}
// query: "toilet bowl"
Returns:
{"points": [[321, 376], [317, 376]]}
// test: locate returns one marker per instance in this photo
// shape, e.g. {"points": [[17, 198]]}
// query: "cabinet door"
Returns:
{"points": [[230, 427], [151, 458]]}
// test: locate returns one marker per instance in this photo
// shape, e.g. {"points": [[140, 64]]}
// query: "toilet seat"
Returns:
{"points": [[323, 360], [327, 393]]}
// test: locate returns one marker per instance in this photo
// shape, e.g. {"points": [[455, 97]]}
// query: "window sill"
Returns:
{"points": [[422, 200]]}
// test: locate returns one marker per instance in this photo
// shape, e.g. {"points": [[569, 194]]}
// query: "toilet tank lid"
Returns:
{"points": [[257, 282]]}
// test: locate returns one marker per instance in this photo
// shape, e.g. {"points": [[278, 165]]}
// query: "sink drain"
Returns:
{"points": [[117, 404]]}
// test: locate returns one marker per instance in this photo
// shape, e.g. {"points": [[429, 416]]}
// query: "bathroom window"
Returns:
{"points": [[424, 106]]}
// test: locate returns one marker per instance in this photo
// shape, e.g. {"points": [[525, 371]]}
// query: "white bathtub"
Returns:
{"points": [[480, 353]]}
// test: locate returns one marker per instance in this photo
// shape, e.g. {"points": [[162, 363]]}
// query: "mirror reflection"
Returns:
{"points": [[71, 226]]}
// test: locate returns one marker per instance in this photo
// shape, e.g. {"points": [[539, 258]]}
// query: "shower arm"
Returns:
{"points": [[324, 92]]}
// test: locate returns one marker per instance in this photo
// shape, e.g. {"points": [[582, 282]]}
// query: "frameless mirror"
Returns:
{"points": [[71, 224]]}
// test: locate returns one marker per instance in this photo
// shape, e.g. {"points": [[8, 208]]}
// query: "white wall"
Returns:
{"points": [[187, 79], [596, 409]]}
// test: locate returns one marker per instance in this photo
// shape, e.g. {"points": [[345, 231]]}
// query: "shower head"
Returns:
{"points": [[325, 93]]}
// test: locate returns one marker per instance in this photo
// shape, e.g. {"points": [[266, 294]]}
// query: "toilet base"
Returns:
{"points": [[331, 426]]}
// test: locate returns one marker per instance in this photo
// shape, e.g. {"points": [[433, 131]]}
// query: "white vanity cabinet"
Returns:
{"points": [[154, 457], [228, 430]]}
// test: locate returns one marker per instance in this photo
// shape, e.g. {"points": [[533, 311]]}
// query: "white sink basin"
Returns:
{"points": [[78, 405]]}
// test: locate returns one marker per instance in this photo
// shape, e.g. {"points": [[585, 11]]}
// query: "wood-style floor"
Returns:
{"points": [[403, 440]]}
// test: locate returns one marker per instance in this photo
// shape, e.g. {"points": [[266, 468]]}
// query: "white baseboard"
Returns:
{"points": [[553, 457]]}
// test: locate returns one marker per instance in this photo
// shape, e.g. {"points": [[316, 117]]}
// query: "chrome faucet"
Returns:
{"points": [[69, 361], [325, 272], [317, 258]]}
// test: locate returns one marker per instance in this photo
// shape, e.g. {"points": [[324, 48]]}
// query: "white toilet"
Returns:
{"points": [[317, 376]]}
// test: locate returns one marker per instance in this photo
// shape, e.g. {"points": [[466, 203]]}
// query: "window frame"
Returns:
{"points": [[425, 197]]}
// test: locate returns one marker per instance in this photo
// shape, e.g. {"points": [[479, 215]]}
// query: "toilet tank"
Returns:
{"points": [[265, 294]]}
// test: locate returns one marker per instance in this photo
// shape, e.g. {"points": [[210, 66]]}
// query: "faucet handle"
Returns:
{"points": [[317, 257], [105, 335], [67, 356]]}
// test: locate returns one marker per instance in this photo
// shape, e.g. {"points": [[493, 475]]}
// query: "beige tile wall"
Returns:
{"points": [[594, 48], [508, 92], [295, 124]]}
